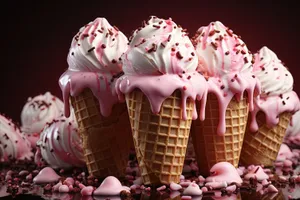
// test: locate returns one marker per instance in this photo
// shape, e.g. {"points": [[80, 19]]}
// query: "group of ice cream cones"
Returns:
{"points": [[167, 82]]}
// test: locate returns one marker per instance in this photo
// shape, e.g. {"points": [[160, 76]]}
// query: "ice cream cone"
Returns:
{"points": [[106, 140], [211, 148], [160, 139], [261, 147]]}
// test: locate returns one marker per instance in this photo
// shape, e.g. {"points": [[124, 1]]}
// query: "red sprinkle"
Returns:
{"points": [[184, 87]]}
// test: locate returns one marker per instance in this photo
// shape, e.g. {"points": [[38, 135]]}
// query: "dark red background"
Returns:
{"points": [[37, 35]]}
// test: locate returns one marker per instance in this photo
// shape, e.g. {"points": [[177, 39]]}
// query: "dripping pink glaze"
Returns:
{"points": [[242, 83], [160, 87], [224, 172], [229, 71], [273, 106], [110, 186], [46, 175], [73, 83]]}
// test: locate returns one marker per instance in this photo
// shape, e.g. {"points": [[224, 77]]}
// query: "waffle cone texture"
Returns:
{"points": [[161, 139], [262, 147], [211, 148], [106, 140]]}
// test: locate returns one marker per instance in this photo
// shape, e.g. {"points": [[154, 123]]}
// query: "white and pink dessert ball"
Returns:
{"points": [[13, 144], [60, 145], [37, 112]]}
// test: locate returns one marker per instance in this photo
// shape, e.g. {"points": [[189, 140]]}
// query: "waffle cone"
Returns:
{"points": [[105, 149], [211, 148], [160, 140], [261, 147]]}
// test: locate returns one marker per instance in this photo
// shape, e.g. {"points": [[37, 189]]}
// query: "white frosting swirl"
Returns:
{"points": [[37, 112], [60, 145], [220, 51], [13, 145], [97, 47], [159, 47], [274, 76]]}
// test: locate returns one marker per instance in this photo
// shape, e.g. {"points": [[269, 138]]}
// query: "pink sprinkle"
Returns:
{"points": [[63, 189], [186, 197], [87, 191], [71, 188], [265, 182], [142, 187], [204, 189], [182, 177], [134, 187], [201, 179], [56, 187], [175, 186], [47, 187], [185, 183], [161, 188], [148, 188], [231, 188], [23, 173], [218, 193], [272, 188], [29, 177], [69, 181]]}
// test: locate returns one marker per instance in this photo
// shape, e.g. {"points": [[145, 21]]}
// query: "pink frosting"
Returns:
{"points": [[110, 186], [167, 66], [13, 144], [277, 84], [46, 175], [226, 61], [224, 172], [94, 63], [256, 173]]}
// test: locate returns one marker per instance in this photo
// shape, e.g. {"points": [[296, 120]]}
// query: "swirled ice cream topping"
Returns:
{"points": [[94, 63], [13, 144], [227, 63], [277, 88], [60, 144], [161, 59], [37, 112], [159, 47]]}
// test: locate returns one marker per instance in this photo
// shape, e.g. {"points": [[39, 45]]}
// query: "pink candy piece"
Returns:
{"points": [[63, 189], [46, 175], [175, 186], [87, 191], [69, 181], [272, 188], [201, 179], [185, 183], [287, 163], [161, 188], [265, 182], [182, 177], [256, 173], [193, 189], [56, 187], [204, 189], [110, 186], [216, 185], [186, 197], [231, 188], [224, 172]]}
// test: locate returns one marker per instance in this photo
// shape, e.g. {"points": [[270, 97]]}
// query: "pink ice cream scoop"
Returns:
{"points": [[94, 63], [227, 63], [13, 144], [277, 88], [224, 172], [37, 112], [161, 59], [60, 145]]}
